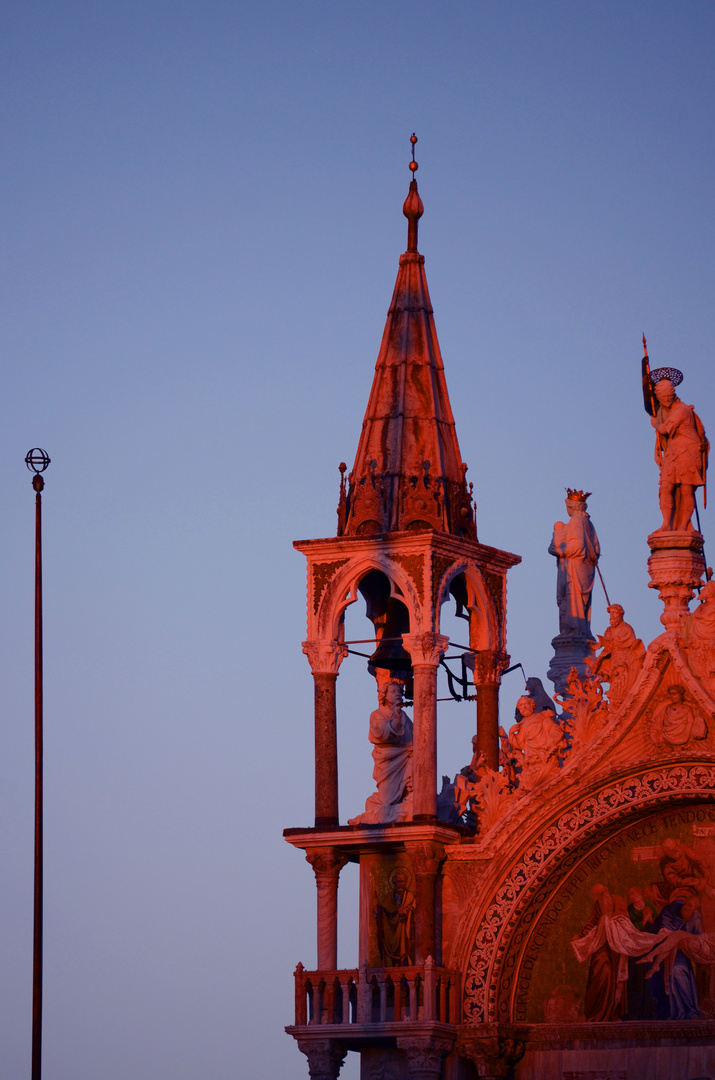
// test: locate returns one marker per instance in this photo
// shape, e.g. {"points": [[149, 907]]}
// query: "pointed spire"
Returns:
{"points": [[408, 471]]}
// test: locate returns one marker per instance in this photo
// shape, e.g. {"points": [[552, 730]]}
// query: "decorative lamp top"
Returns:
{"points": [[37, 460], [574, 495], [672, 373], [413, 208]]}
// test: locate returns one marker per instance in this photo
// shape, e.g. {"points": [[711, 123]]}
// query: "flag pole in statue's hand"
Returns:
{"points": [[648, 395]]}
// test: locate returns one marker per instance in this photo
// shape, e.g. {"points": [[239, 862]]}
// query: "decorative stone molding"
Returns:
{"points": [[676, 567], [426, 857], [425, 649], [614, 803], [325, 657], [325, 1057], [493, 1057]]}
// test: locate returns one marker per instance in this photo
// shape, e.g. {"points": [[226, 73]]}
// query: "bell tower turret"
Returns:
{"points": [[406, 542]]}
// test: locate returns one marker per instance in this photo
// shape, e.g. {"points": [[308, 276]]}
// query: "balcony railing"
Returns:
{"points": [[377, 995]]}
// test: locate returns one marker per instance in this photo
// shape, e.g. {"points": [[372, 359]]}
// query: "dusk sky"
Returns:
{"points": [[201, 222]]}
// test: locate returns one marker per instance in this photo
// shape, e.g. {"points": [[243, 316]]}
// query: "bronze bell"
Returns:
{"points": [[389, 628]]}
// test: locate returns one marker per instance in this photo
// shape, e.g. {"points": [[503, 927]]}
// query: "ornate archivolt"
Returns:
{"points": [[497, 928], [341, 590]]}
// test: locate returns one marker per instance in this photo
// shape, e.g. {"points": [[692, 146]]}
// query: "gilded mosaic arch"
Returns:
{"points": [[497, 945]]}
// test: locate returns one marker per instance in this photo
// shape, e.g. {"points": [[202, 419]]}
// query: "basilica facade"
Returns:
{"points": [[550, 913]]}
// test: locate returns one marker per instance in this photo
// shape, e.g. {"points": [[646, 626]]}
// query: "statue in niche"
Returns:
{"points": [[675, 723], [621, 656], [539, 742], [681, 451], [391, 736], [395, 918], [699, 638], [575, 545]]}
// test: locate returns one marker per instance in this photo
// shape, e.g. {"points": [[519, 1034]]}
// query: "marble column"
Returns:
{"points": [[325, 657], [426, 858], [488, 667], [327, 864], [426, 651]]}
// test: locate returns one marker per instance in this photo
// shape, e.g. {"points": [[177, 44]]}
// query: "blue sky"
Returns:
{"points": [[201, 221]]}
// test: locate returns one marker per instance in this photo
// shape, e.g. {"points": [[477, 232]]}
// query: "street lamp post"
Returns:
{"points": [[37, 461]]}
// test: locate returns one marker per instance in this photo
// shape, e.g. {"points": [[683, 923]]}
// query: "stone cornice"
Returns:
{"points": [[406, 543]]}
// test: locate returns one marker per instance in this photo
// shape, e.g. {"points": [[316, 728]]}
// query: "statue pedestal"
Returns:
{"points": [[676, 567], [568, 652]]}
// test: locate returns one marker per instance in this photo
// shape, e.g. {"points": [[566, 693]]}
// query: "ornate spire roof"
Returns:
{"points": [[408, 471]]}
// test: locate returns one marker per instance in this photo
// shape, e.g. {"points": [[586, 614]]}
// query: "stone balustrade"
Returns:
{"points": [[377, 995]]}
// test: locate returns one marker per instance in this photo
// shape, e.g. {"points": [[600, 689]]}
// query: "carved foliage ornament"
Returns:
{"points": [[325, 1057], [502, 912], [492, 1056], [414, 565], [322, 573]]}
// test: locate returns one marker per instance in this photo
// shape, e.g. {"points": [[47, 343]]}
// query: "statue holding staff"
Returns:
{"points": [[575, 545], [681, 447]]}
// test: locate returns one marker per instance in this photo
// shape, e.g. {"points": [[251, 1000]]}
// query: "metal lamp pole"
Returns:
{"points": [[37, 461]]}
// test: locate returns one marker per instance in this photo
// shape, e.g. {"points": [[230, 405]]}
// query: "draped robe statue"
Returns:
{"points": [[391, 736], [576, 548]]}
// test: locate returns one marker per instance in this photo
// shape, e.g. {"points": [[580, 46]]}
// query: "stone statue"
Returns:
{"points": [[576, 548], [675, 723], [681, 451], [391, 735], [621, 656], [538, 739], [699, 638]]}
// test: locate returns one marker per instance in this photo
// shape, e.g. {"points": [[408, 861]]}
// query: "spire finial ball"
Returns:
{"points": [[413, 164]]}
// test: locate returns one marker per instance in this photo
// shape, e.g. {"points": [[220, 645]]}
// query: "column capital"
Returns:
{"points": [[325, 1057], [426, 856], [325, 657], [425, 649], [424, 1055], [327, 863], [494, 1058], [489, 666]]}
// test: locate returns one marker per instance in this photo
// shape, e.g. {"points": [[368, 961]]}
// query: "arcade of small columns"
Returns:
{"points": [[426, 649]]}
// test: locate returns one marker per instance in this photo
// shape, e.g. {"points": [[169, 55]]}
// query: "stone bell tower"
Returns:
{"points": [[406, 543]]}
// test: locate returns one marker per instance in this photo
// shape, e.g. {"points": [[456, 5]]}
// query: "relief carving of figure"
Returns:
{"points": [[395, 918], [676, 723], [575, 545], [391, 736], [538, 740], [699, 638], [621, 656], [681, 451]]}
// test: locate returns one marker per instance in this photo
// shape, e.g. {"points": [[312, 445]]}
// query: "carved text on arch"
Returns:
{"points": [[322, 573], [414, 565]]}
